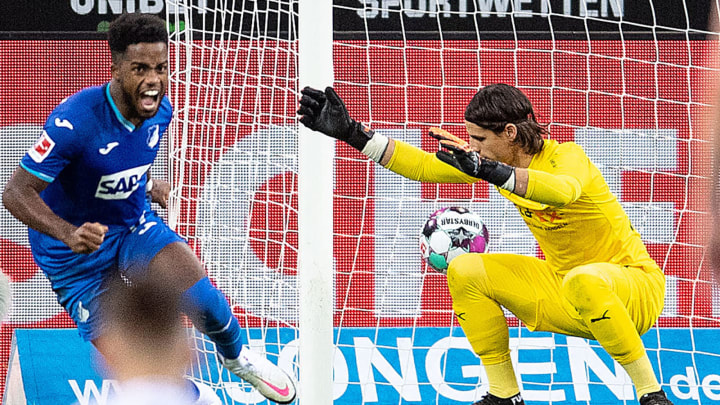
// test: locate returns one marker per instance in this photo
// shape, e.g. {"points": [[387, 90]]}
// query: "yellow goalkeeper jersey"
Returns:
{"points": [[568, 205]]}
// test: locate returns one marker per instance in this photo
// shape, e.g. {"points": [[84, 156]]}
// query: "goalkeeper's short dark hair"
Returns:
{"points": [[496, 105], [133, 28]]}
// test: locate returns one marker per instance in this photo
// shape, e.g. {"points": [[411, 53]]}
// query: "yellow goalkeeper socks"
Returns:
{"points": [[642, 375], [502, 380]]}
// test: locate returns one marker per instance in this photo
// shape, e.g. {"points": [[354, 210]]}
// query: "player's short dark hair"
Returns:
{"points": [[496, 105], [134, 28]]}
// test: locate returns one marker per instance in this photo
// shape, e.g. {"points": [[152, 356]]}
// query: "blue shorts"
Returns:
{"points": [[80, 279]]}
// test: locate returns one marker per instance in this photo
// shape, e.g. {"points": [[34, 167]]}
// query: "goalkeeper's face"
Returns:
{"points": [[142, 73], [491, 145]]}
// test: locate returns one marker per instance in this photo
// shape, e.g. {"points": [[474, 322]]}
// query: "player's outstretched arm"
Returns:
{"points": [[325, 112], [22, 199]]}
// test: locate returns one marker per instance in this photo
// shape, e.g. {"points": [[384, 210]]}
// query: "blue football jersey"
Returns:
{"points": [[96, 160]]}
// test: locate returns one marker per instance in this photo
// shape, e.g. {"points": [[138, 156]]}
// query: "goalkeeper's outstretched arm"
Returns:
{"points": [[325, 112]]}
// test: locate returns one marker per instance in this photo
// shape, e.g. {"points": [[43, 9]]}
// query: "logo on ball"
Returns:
{"points": [[450, 232]]}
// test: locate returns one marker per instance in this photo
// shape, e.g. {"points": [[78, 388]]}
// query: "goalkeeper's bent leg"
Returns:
{"points": [[483, 322], [209, 311], [592, 291]]}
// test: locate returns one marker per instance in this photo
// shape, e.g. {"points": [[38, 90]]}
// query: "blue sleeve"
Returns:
{"points": [[55, 148]]}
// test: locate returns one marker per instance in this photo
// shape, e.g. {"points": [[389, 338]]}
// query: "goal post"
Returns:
{"points": [[315, 212], [298, 230]]}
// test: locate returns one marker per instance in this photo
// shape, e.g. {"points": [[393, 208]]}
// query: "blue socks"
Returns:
{"points": [[208, 309]]}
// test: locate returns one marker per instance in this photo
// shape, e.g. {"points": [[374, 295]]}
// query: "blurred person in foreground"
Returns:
{"points": [[151, 349], [84, 191], [597, 280]]}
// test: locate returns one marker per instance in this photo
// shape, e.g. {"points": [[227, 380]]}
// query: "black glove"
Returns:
{"points": [[326, 113], [460, 156]]}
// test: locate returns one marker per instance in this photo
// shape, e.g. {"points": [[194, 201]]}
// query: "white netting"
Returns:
{"points": [[233, 155], [627, 81]]}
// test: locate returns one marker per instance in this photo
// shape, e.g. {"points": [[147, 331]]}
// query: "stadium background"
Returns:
{"points": [[662, 85]]}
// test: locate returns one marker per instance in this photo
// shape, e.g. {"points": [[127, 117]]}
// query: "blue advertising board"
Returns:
{"points": [[396, 366]]}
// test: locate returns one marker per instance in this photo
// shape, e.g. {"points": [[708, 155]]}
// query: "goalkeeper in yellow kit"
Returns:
{"points": [[597, 281]]}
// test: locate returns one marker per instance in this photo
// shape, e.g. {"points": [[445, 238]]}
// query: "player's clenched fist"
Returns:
{"points": [[87, 238], [325, 112], [160, 192]]}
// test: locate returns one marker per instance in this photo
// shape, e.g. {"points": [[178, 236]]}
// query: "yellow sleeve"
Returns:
{"points": [[416, 164], [561, 178], [555, 190]]}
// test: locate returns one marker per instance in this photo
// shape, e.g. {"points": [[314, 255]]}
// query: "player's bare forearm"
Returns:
{"points": [[521, 181], [21, 198], [388, 153]]}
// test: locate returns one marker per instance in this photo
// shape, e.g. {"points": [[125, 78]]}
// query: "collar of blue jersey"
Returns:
{"points": [[127, 124]]}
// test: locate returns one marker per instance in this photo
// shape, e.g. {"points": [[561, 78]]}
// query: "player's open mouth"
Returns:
{"points": [[149, 100]]}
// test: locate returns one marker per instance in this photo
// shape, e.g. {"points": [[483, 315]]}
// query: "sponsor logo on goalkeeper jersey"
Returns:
{"points": [[547, 216], [545, 220], [542, 216], [120, 185]]}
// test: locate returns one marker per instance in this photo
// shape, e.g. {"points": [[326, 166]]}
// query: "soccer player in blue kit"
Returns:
{"points": [[84, 192]]}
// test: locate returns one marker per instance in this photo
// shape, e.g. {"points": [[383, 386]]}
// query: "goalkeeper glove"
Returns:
{"points": [[460, 156], [325, 112]]}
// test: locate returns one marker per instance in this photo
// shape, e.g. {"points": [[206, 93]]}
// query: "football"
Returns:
{"points": [[450, 232]]}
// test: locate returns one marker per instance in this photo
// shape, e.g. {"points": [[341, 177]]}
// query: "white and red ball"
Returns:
{"points": [[450, 232]]}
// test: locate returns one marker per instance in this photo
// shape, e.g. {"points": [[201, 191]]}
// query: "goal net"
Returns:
{"points": [[628, 81]]}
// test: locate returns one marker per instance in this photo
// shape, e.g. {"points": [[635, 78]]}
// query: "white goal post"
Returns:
{"points": [[315, 202], [316, 246]]}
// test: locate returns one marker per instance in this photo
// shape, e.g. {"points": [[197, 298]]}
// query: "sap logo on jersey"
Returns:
{"points": [[119, 186]]}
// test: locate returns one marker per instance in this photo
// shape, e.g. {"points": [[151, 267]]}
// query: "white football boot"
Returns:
{"points": [[270, 380]]}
